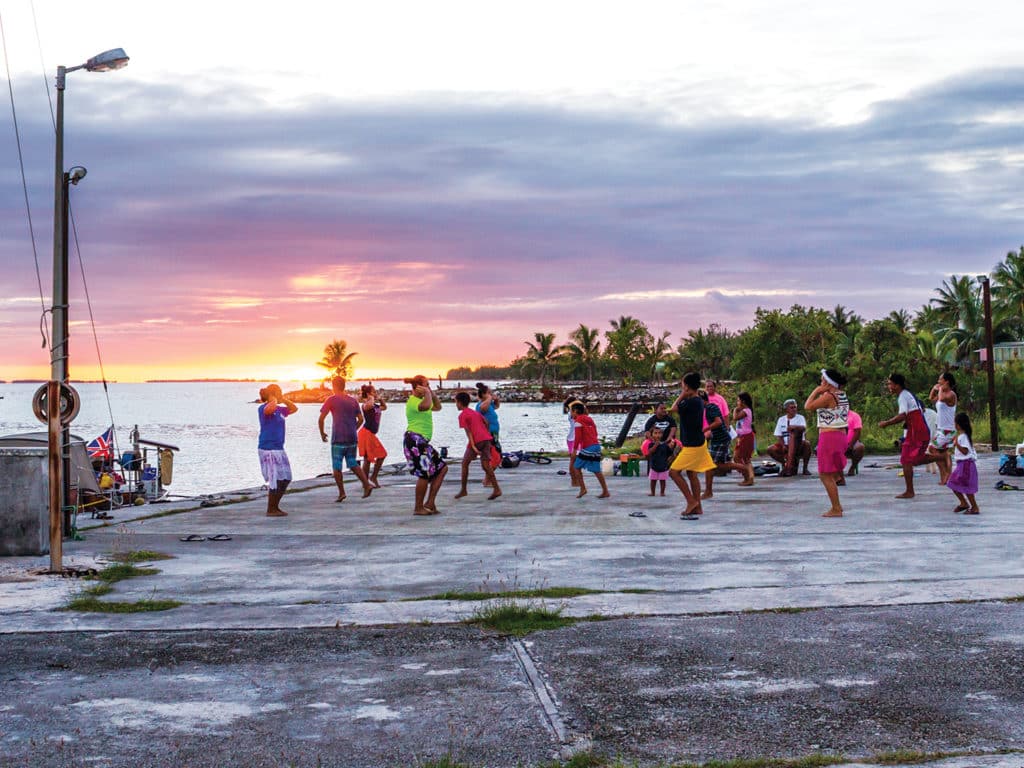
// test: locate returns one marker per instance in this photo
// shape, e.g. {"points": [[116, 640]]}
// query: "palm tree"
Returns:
{"points": [[928, 318], [1008, 289], [901, 319], [845, 320], [962, 318], [709, 352], [541, 354], [625, 345], [337, 359], [583, 350], [654, 352]]}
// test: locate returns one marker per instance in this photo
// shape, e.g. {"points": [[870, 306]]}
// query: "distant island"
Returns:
{"points": [[203, 381]]}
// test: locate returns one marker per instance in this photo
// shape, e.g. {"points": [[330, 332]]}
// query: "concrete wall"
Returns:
{"points": [[24, 502]]}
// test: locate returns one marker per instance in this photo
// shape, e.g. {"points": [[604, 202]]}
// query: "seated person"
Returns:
{"points": [[790, 445], [661, 419]]}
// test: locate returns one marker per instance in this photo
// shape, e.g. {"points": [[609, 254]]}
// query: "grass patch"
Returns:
{"points": [[556, 593], [808, 761], [121, 572], [511, 618], [88, 600], [817, 760], [140, 556], [1017, 599], [442, 762], [90, 603]]}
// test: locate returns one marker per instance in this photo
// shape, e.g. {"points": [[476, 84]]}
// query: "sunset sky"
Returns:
{"points": [[434, 182]]}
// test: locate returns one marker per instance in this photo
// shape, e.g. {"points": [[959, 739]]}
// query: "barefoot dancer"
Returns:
{"points": [[586, 448], [274, 408], [570, 439], [479, 444], [743, 418], [719, 442], [346, 417], [693, 457], [370, 446], [911, 415], [487, 407], [944, 395], [427, 464], [964, 479], [833, 408]]}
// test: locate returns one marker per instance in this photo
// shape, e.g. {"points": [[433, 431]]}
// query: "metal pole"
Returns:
{"points": [[59, 337], [993, 423], [59, 352], [56, 486]]}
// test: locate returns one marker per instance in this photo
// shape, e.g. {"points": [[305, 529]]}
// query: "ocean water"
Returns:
{"points": [[216, 427]]}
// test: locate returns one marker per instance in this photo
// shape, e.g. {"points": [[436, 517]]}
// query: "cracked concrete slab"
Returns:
{"points": [[296, 643]]}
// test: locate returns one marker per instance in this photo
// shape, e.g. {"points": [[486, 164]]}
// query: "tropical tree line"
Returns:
{"points": [[946, 332]]}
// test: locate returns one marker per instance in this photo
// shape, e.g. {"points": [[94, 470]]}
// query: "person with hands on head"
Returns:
{"points": [[479, 444], [277, 471], [693, 457], [370, 446], [830, 403], [943, 395], [427, 465]]}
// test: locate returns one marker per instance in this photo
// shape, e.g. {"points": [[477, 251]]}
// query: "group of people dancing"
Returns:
{"points": [[355, 423], [687, 442], [700, 442]]}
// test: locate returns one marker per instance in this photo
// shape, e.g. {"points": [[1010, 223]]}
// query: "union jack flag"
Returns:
{"points": [[103, 446]]}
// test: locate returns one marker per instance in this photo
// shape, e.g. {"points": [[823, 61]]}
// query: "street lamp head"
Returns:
{"points": [[982, 279], [115, 58], [76, 174]]}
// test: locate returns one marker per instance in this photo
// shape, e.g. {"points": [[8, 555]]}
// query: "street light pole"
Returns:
{"points": [[57, 433], [990, 363]]}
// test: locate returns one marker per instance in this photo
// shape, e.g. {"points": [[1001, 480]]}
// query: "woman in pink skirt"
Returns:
{"points": [[833, 409], [964, 479]]}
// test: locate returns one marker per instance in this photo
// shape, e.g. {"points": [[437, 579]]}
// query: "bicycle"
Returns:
{"points": [[511, 459]]}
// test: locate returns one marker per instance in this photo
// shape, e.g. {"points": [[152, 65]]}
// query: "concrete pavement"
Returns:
{"points": [[276, 619]]}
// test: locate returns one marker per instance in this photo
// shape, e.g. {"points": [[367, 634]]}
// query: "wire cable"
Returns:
{"points": [[92, 322], [24, 188], [42, 65]]}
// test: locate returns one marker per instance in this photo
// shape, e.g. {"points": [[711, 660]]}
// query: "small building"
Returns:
{"points": [[1004, 352]]}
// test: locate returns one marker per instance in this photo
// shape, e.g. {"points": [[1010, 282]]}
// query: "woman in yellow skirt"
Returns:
{"points": [[693, 458]]}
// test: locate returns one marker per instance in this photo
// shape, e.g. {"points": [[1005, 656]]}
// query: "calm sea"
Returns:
{"points": [[215, 426]]}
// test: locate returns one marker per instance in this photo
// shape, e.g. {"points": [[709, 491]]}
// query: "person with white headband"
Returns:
{"points": [[833, 408]]}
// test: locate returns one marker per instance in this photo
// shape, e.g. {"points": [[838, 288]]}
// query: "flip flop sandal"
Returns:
{"points": [[192, 537], [220, 537]]}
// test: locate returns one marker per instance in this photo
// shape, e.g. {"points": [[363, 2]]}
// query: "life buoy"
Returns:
{"points": [[70, 403]]}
